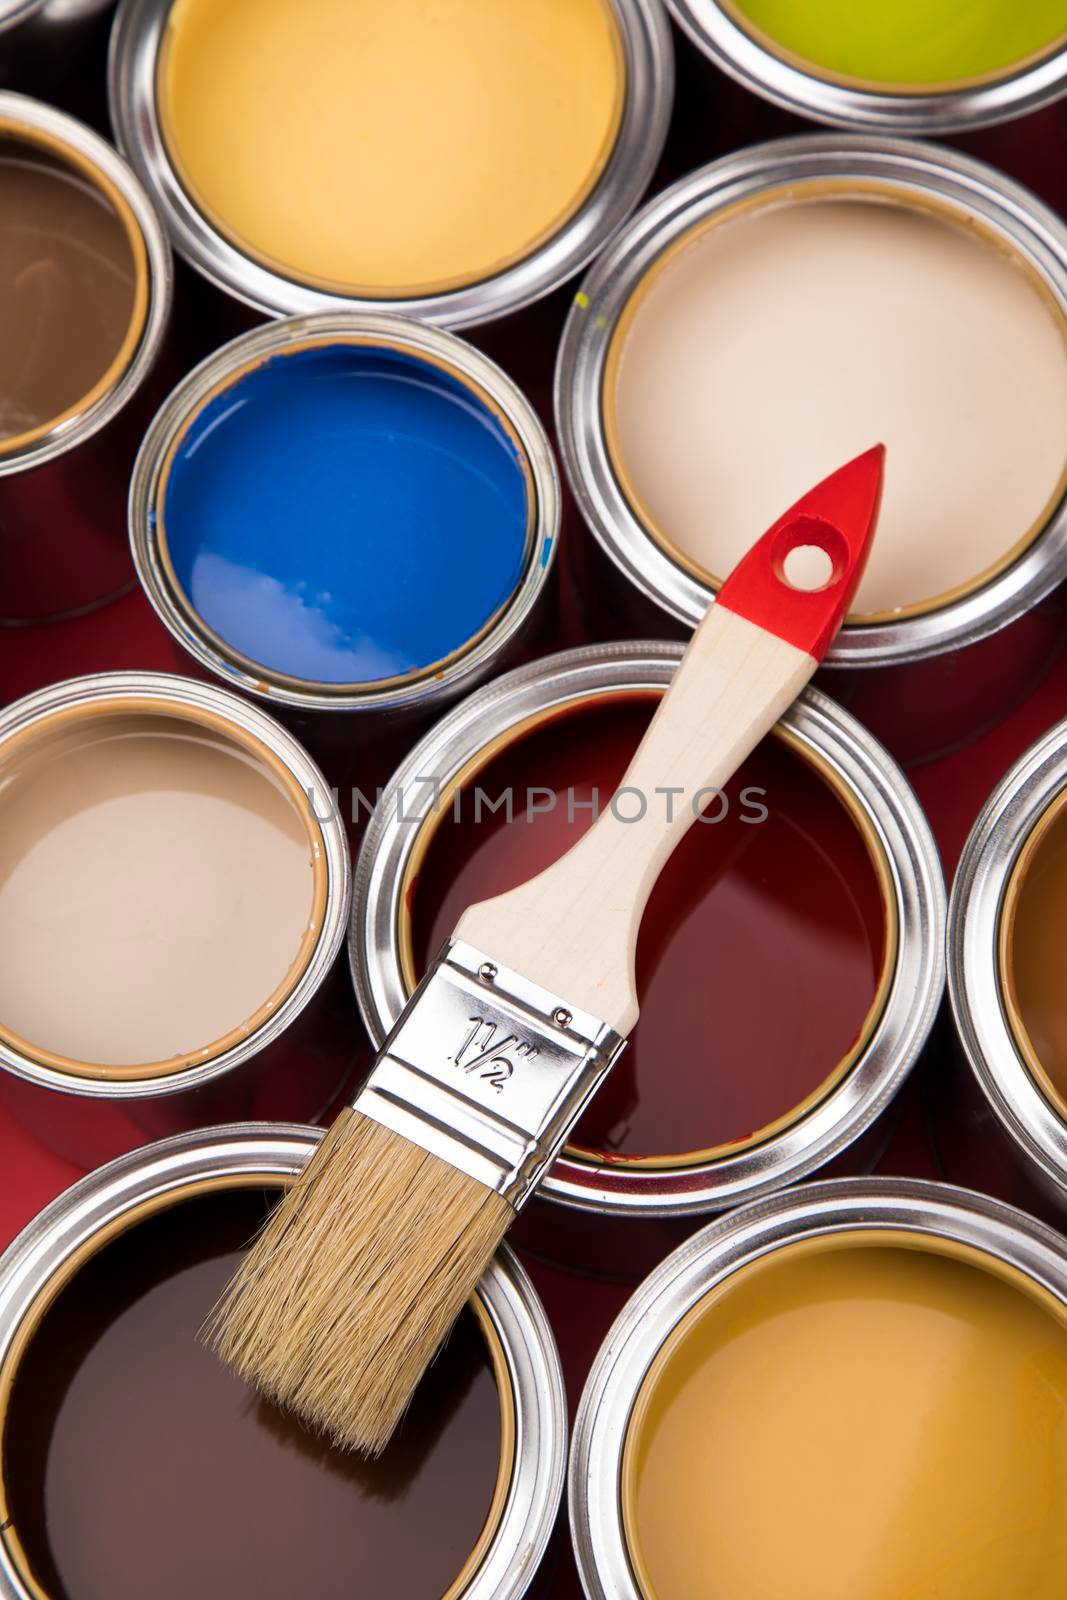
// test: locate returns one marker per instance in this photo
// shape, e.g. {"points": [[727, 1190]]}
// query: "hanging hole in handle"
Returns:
{"points": [[810, 555], [808, 567]]}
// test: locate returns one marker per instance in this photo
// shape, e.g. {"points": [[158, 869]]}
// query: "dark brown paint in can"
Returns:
{"points": [[136, 1466]]}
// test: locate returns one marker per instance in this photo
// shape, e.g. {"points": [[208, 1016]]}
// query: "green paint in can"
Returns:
{"points": [[911, 43]]}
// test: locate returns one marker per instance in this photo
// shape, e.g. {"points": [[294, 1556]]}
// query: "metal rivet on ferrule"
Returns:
{"points": [[562, 1017], [487, 971]]}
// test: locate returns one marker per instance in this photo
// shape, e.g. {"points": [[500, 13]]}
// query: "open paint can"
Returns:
{"points": [[924, 66], [789, 963], [85, 280], [174, 888], [346, 512], [771, 316], [133, 1464], [855, 1389], [1006, 982], [454, 164]]}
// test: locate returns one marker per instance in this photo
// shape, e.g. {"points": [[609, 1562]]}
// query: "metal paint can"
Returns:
{"points": [[621, 1213], [137, 1189], [933, 1223], [936, 675], [760, 64], [406, 695], [1009, 1126], [63, 491], [645, 41], [283, 1059]]}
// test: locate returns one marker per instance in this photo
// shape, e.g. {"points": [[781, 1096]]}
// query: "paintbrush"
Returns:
{"points": [[363, 1268]]}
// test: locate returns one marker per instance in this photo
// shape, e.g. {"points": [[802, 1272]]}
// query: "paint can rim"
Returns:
{"points": [[44, 123], [940, 177], [888, 805], [753, 60], [937, 1214], [237, 1156], [645, 34], [14, 12], [458, 359], [168, 690], [1013, 813]]}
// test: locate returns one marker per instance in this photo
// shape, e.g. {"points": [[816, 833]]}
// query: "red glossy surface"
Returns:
{"points": [[760, 949], [839, 517], [713, 116]]}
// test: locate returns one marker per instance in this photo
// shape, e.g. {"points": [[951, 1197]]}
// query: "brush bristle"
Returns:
{"points": [[357, 1277]]}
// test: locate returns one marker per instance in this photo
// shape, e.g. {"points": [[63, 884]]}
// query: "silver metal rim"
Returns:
{"points": [[997, 840], [889, 804], [645, 32], [936, 1211], [458, 357], [37, 117], [163, 687], [803, 90], [1013, 214], [12, 12], [175, 1166]]}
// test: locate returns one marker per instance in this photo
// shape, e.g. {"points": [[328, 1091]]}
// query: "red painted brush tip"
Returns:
{"points": [[839, 518]]}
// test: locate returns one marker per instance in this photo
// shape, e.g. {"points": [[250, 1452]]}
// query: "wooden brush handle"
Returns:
{"points": [[573, 929]]}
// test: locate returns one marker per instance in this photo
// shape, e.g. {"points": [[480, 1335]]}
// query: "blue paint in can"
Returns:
{"points": [[347, 514]]}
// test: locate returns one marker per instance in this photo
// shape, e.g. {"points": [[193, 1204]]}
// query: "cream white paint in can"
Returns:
{"points": [[774, 340]]}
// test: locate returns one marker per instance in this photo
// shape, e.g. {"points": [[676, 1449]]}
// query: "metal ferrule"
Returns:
{"points": [[497, 716], [488, 1071]]}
